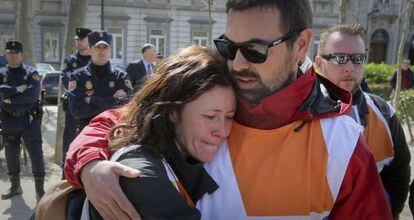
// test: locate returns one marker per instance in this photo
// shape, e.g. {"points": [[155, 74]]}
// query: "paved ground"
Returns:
{"points": [[21, 207]]}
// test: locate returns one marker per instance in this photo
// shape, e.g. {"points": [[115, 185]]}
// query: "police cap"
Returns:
{"points": [[81, 33], [99, 37], [13, 46]]}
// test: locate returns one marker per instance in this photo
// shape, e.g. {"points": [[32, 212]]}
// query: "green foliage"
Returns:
{"points": [[378, 77], [405, 109], [378, 73], [383, 90]]}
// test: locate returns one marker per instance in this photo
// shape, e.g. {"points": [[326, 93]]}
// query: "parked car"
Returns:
{"points": [[50, 86], [3, 61], [43, 68]]}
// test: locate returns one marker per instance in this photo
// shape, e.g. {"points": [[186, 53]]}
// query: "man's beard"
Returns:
{"points": [[261, 90], [357, 86]]}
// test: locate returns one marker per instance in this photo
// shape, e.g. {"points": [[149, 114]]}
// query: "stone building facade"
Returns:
{"points": [[171, 24], [380, 18]]}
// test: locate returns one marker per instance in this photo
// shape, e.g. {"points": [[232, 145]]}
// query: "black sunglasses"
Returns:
{"points": [[254, 51], [340, 59]]}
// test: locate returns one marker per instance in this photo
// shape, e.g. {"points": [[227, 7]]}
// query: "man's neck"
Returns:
{"points": [[83, 52], [14, 66], [99, 65], [356, 96], [146, 61], [280, 108]]}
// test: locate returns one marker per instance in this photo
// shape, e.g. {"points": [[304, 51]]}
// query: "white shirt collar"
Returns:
{"points": [[146, 65]]}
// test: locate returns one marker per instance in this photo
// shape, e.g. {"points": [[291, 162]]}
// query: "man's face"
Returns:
{"points": [[349, 75], [82, 44], [100, 54], [150, 55], [405, 65], [254, 81], [14, 59]]}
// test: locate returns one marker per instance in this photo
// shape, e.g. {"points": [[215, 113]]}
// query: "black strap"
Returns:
{"points": [[382, 106]]}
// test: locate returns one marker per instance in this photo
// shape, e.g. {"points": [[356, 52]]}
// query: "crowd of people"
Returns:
{"points": [[247, 130]]}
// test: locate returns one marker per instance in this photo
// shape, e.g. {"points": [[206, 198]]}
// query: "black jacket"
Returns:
{"points": [[393, 79], [153, 194], [137, 73], [395, 176]]}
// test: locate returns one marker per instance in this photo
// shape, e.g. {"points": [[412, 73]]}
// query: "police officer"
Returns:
{"points": [[97, 87], [75, 61], [21, 118]]}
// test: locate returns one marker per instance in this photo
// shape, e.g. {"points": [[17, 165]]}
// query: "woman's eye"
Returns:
{"points": [[209, 116]]}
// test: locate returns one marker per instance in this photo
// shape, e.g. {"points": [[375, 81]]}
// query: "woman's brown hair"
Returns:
{"points": [[180, 79]]}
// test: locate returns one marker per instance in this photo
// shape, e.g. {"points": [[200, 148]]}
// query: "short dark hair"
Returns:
{"points": [[146, 47], [182, 78], [295, 15]]}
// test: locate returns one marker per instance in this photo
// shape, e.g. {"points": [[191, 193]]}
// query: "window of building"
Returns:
{"points": [[384, 1], [158, 32], [5, 35], [51, 46], [161, 2], [378, 46], [200, 38], [117, 44], [323, 6], [202, 2], [158, 38]]}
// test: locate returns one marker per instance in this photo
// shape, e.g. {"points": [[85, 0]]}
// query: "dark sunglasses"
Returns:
{"points": [[339, 59], [254, 51]]}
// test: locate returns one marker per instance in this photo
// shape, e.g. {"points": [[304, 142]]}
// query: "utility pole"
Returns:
{"points": [[210, 30], [408, 16], [24, 17], [102, 15], [77, 10]]}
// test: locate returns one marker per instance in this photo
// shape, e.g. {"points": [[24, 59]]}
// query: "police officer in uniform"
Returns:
{"points": [[21, 118], [97, 87], [75, 61]]}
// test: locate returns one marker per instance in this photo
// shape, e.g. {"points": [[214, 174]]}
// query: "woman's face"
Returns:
{"points": [[205, 123]]}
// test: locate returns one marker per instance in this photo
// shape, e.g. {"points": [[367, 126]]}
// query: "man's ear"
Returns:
{"points": [[301, 45], [318, 62], [173, 117]]}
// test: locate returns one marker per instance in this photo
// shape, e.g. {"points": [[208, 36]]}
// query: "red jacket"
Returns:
{"points": [[90, 144], [361, 195]]}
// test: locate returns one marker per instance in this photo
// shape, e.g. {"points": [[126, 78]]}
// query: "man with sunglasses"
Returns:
{"points": [[341, 59], [293, 153]]}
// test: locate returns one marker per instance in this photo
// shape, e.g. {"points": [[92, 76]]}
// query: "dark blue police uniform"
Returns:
{"points": [[21, 115], [21, 118], [99, 83], [73, 62]]}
